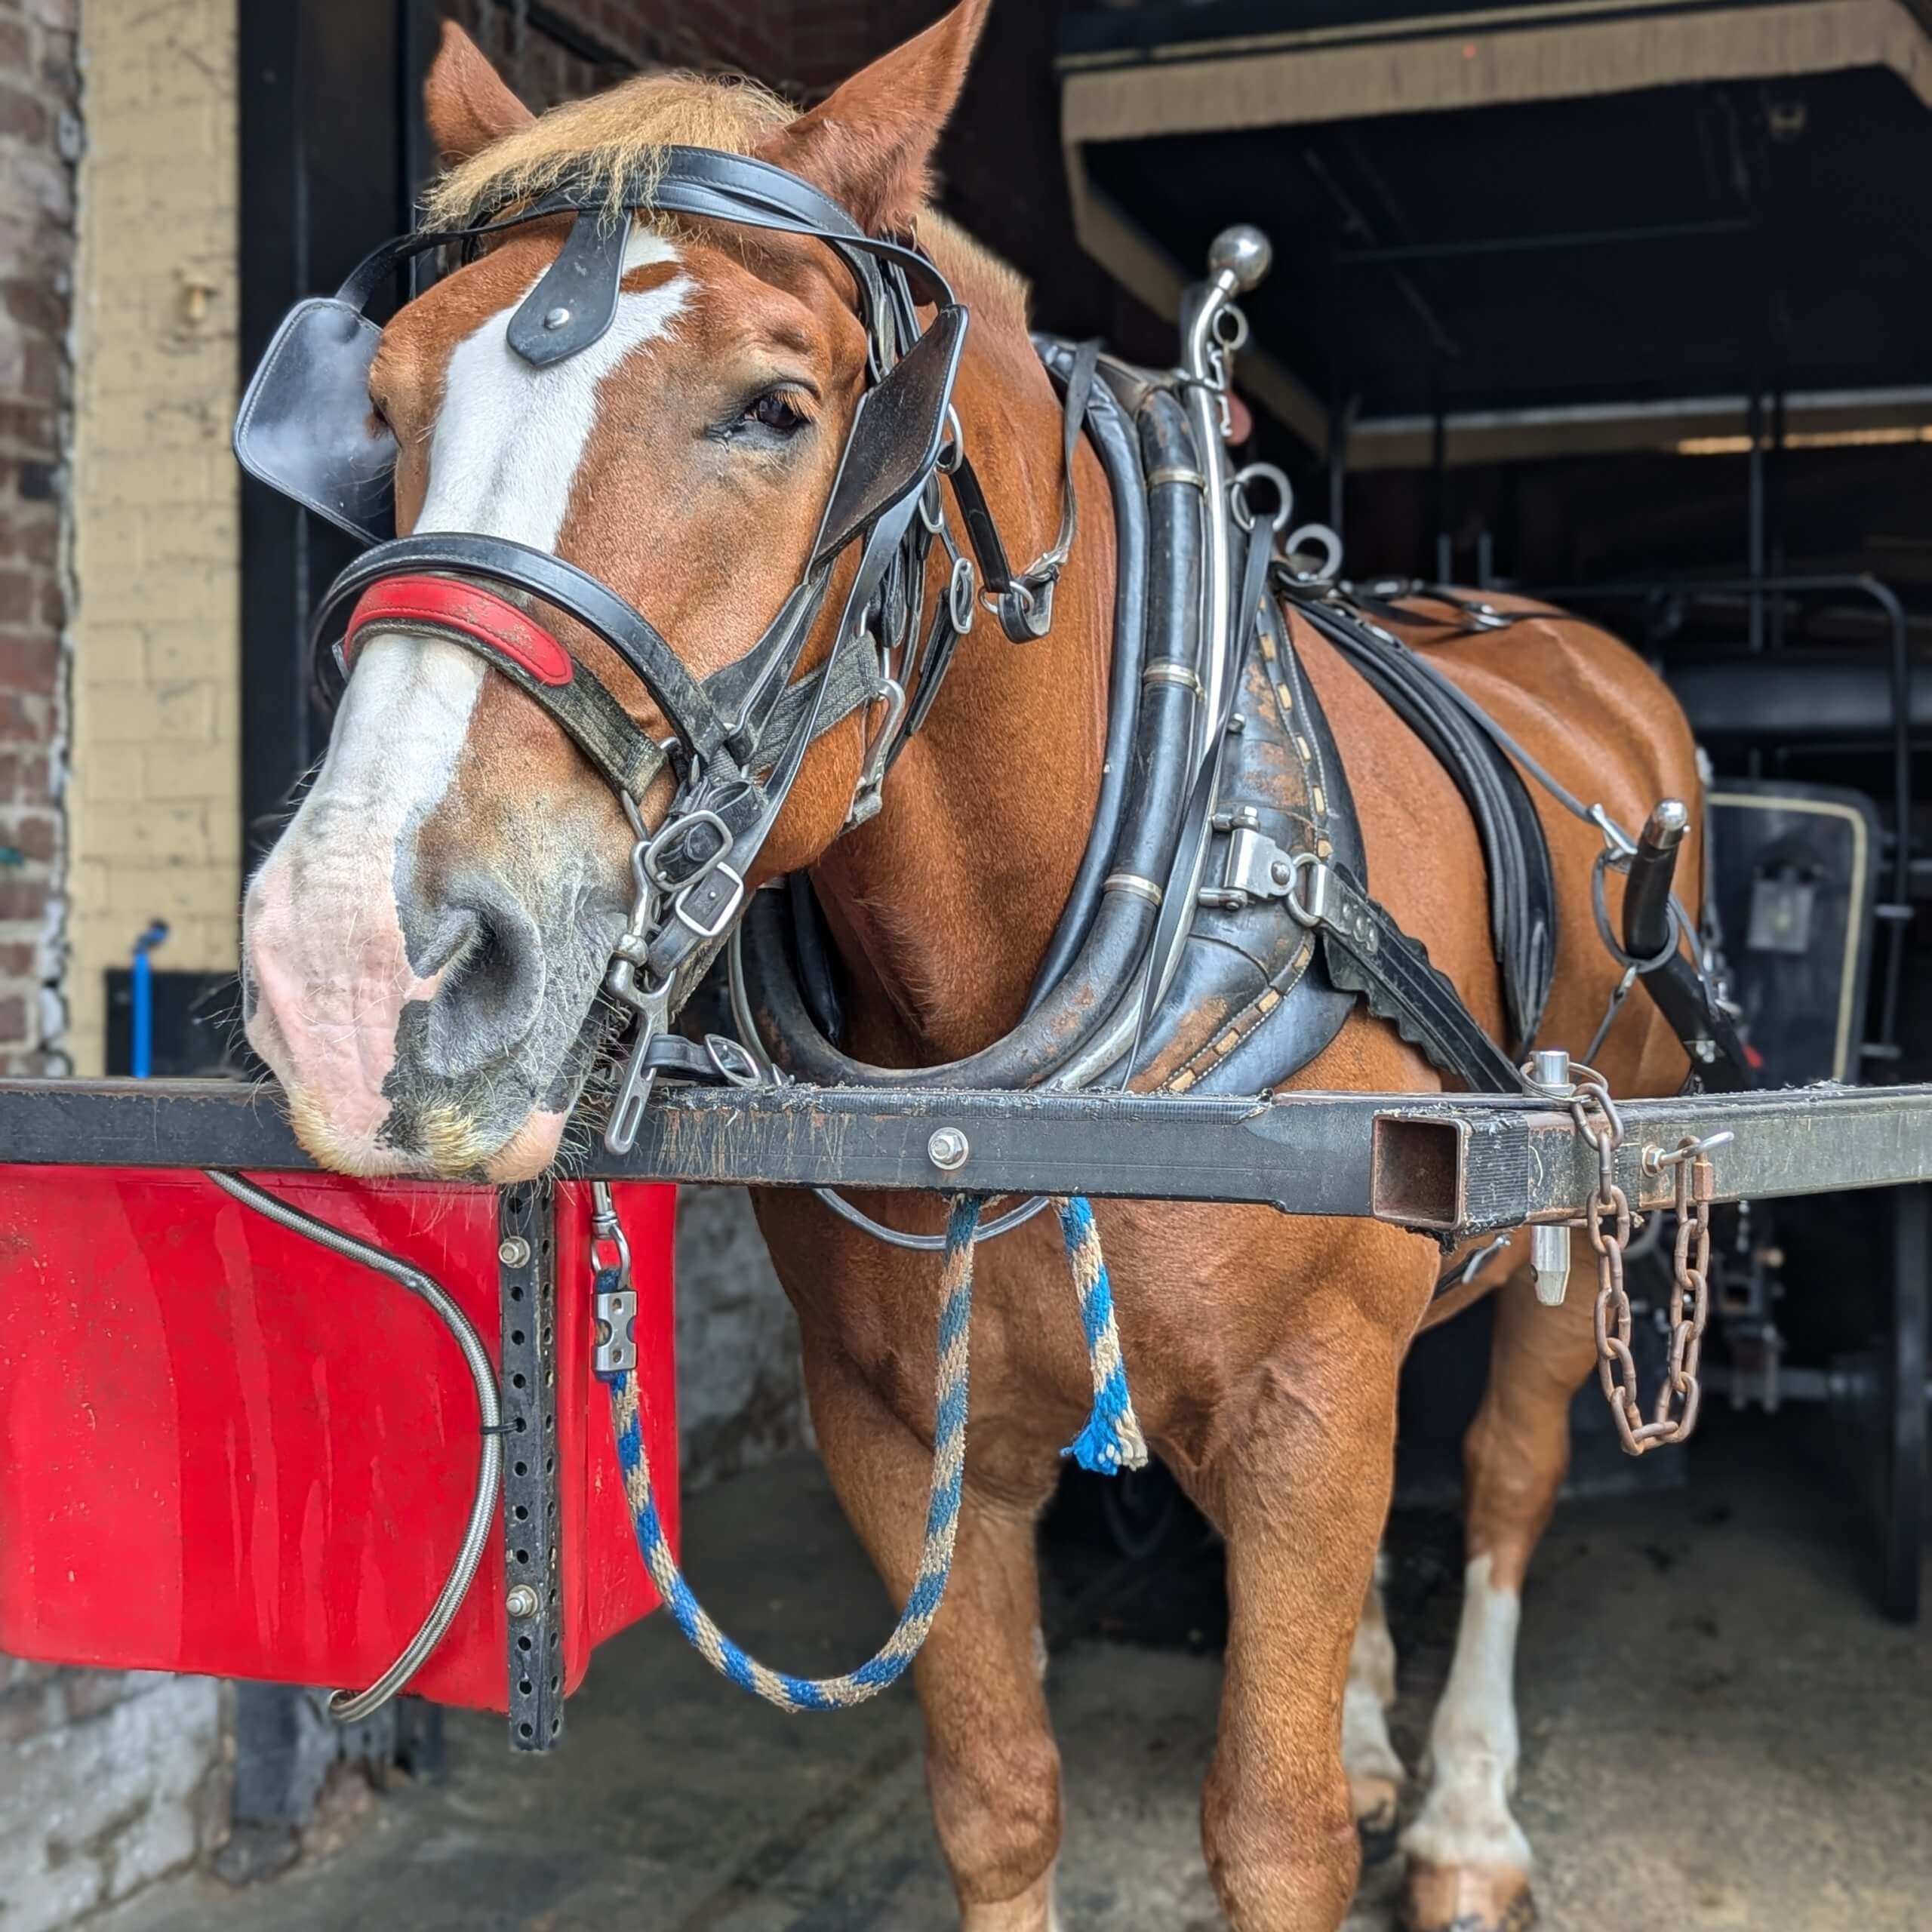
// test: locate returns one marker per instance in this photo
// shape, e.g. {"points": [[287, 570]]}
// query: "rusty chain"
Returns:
{"points": [[1607, 1222]]}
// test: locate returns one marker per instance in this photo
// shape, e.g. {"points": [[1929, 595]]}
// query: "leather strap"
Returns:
{"points": [[480, 622], [481, 616], [1522, 882], [1366, 952], [576, 593]]}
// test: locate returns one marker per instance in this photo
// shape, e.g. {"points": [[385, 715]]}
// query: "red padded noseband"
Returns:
{"points": [[491, 621]]}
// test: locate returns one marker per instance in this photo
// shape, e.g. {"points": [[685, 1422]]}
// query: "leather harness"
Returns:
{"points": [[1224, 873]]}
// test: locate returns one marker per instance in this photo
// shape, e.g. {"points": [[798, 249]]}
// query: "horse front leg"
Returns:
{"points": [[1300, 1490], [1469, 1861], [992, 1767]]}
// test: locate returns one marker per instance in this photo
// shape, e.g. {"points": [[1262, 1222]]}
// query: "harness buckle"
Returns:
{"points": [[720, 886], [1257, 866]]}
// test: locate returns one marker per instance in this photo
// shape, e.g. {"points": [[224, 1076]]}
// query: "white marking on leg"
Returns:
{"points": [[1473, 1741], [1368, 1755], [1023, 1914]]}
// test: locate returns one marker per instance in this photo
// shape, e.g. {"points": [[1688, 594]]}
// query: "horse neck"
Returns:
{"points": [[942, 906]]}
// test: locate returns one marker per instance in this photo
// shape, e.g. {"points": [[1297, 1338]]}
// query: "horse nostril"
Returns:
{"points": [[489, 953]]}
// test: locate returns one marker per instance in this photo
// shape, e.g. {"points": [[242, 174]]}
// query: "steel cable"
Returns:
{"points": [[350, 1707]]}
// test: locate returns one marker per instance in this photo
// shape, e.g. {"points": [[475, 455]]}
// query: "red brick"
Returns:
{"points": [[17, 589], [22, 115], [22, 898], [32, 836], [29, 660], [24, 778], [43, 368], [17, 960], [14, 1019], [35, 305]]}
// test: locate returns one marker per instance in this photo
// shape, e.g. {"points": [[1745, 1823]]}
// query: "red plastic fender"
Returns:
{"points": [[223, 1449]]}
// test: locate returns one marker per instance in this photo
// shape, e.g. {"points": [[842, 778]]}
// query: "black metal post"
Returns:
{"points": [[1755, 537]]}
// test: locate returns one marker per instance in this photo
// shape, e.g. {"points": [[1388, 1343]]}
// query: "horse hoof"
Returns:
{"points": [[1467, 1898], [1376, 1803]]}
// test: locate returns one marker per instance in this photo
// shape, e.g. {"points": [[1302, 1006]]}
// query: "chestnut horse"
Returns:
{"points": [[424, 946]]}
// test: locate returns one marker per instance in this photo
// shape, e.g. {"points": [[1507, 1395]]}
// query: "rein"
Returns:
{"points": [[1110, 1442]]}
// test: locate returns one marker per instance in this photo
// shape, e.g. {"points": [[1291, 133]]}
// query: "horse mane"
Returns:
{"points": [[622, 132]]}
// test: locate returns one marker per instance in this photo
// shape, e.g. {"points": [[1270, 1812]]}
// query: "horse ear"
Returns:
{"points": [[869, 143], [465, 100]]}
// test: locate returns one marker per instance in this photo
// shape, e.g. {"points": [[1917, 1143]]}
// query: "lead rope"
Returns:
{"points": [[1111, 1440]]}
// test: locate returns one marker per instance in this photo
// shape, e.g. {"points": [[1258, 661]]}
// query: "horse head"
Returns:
{"points": [[423, 947]]}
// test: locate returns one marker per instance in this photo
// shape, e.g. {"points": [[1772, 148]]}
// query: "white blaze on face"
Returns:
{"points": [[1472, 1741], [324, 938]]}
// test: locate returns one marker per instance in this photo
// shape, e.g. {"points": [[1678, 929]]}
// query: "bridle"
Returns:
{"points": [[739, 737]]}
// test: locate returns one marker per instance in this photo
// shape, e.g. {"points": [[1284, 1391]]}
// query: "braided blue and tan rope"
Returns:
{"points": [[1111, 1440]]}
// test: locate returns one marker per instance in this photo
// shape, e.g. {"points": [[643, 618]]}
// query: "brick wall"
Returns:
{"points": [[38, 130], [109, 1779], [118, 463], [154, 814]]}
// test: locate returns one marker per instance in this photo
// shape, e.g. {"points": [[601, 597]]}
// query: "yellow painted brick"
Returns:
{"points": [[206, 945], [192, 891], [174, 134], [192, 534], [165, 834], [205, 771], [154, 826], [138, 714], [110, 653]]}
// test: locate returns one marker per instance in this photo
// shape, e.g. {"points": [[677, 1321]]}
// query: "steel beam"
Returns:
{"points": [[1451, 1165]]}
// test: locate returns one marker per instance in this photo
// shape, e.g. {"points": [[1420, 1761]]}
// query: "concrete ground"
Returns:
{"points": [[1718, 1733]]}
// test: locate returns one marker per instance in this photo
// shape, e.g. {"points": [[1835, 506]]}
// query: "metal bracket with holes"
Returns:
{"points": [[527, 1273]]}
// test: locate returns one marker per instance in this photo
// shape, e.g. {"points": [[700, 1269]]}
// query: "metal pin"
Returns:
{"points": [[556, 318], [1549, 1074], [513, 1251], [522, 1602]]}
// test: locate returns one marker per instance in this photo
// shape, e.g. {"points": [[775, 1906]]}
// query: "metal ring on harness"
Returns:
{"points": [[1292, 544], [1259, 473]]}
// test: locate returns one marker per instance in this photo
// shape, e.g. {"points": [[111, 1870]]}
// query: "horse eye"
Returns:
{"points": [[775, 410]]}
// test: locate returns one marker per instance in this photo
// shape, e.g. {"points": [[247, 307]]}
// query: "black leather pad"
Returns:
{"points": [[896, 435], [575, 300], [306, 426]]}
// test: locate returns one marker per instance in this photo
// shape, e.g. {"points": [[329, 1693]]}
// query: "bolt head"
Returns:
{"points": [[1243, 253], [556, 318], [948, 1149], [1281, 871], [513, 1251], [522, 1602]]}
